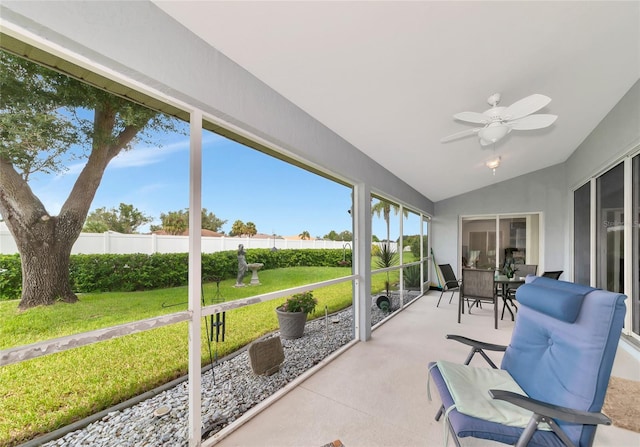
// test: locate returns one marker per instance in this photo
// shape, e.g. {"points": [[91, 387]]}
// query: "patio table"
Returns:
{"points": [[503, 283]]}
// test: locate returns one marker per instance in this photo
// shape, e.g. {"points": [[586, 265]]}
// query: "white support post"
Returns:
{"points": [[400, 251], [362, 261], [195, 274], [629, 218], [593, 234]]}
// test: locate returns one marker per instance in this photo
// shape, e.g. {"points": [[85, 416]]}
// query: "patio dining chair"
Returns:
{"points": [[553, 274], [554, 374], [451, 283], [477, 287]]}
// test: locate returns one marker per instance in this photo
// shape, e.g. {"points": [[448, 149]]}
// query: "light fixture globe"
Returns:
{"points": [[493, 132], [493, 164]]}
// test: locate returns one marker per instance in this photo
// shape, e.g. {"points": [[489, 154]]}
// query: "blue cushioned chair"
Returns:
{"points": [[561, 354]]}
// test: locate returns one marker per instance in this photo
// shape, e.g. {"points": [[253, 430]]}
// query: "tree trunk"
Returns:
{"points": [[45, 241], [45, 270]]}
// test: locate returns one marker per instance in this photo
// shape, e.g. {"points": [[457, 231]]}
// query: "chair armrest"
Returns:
{"points": [[476, 344], [477, 347], [550, 410]]}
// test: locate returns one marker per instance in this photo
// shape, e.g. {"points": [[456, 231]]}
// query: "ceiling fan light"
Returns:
{"points": [[493, 164], [493, 133]]}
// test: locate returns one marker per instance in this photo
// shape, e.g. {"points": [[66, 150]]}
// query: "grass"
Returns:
{"points": [[40, 395]]}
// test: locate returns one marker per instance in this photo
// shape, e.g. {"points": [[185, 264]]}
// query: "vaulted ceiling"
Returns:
{"points": [[387, 76]]}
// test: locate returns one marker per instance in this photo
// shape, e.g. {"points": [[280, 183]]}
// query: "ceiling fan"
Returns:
{"points": [[499, 121]]}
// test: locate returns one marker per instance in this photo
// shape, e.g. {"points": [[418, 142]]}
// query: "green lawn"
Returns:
{"points": [[49, 392]]}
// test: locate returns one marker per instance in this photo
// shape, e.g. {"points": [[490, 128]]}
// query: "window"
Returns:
{"points": [[610, 230]]}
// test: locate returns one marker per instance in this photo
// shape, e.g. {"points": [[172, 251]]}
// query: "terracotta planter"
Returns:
{"points": [[291, 324]]}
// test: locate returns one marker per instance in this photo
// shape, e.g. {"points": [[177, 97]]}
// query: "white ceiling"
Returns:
{"points": [[388, 76]]}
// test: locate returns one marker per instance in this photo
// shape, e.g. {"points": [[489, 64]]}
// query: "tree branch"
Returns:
{"points": [[19, 206]]}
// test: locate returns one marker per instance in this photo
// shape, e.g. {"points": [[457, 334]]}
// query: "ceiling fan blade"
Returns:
{"points": [[472, 117], [526, 106], [457, 135], [532, 122]]}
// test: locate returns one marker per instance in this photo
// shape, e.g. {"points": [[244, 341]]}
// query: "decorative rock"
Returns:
{"points": [[162, 411], [266, 356]]}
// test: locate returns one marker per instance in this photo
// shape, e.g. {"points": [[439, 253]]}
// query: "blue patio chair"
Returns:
{"points": [[553, 377]]}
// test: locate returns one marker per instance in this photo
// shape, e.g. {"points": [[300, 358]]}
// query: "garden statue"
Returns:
{"points": [[242, 266]]}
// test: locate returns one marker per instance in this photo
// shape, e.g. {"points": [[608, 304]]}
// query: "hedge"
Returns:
{"points": [[130, 272]]}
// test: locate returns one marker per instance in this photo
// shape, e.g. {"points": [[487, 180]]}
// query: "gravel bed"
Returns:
{"points": [[229, 392]]}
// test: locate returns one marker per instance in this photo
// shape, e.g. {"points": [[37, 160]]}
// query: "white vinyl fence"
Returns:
{"points": [[111, 242]]}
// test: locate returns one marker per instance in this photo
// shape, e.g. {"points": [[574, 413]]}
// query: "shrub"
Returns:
{"points": [[411, 277], [130, 272], [10, 277]]}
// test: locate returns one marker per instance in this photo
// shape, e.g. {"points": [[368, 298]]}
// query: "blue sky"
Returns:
{"points": [[237, 183]]}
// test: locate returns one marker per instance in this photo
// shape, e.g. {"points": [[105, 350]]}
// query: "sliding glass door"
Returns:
{"points": [[606, 250], [610, 229], [490, 242], [582, 235]]}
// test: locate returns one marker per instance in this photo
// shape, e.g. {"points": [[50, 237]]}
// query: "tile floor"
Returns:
{"points": [[375, 393]]}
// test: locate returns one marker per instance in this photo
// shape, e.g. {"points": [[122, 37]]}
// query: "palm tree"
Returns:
{"points": [[383, 207], [304, 235]]}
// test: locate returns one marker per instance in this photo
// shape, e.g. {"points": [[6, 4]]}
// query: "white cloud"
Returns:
{"points": [[146, 155]]}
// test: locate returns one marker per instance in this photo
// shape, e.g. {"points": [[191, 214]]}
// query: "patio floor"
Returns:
{"points": [[375, 393]]}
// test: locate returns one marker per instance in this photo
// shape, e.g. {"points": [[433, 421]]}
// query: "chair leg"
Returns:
{"points": [[509, 302], [456, 441], [452, 293], [440, 413], [440, 297], [505, 305]]}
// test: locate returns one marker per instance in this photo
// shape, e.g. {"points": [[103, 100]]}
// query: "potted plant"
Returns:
{"points": [[509, 270], [292, 314]]}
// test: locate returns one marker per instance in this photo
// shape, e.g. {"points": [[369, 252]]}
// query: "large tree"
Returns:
{"points": [[125, 219], [46, 120]]}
